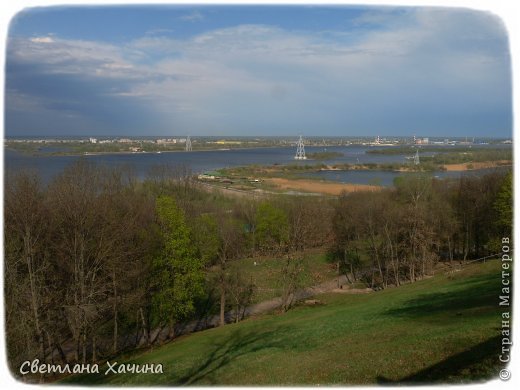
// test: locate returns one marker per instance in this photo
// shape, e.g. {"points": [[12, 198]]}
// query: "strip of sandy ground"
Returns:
{"points": [[320, 186], [477, 165]]}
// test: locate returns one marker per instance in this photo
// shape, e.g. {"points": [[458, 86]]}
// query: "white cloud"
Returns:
{"points": [[42, 40], [194, 16], [387, 17], [414, 57]]}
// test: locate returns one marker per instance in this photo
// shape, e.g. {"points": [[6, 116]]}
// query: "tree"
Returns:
{"points": [[309, 222], [350, 233], [272, 227], [177, 271], [504, 205], [392, 240], [247, 213], [415, 192], [292, 275], [241, 291], [205, 235], [232, 245], [26, 262], [445, 223], [127, 262], [476, 209], [81, 246]]}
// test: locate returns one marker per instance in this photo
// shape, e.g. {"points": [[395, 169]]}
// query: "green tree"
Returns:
{"points": [[205, 233], [504, 204], [177, 270], [272, 227]]}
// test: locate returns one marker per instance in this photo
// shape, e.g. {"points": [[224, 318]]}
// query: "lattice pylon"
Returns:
{"points": [[300, 150]]}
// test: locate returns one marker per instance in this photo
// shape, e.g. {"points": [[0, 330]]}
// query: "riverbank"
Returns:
{"points": [[79, 153], [332, 180], [77, 148]]}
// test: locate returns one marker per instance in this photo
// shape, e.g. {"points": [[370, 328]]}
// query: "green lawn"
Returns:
{"points": [[443, 329]]}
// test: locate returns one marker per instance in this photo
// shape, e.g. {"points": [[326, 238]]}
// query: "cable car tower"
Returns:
{"points": [[188, 144], [300, 150]]}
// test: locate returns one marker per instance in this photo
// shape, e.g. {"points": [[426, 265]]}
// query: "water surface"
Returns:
{"points": [[200, 161]]}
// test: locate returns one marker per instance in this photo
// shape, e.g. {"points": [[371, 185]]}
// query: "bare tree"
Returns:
{"points": [[26, 257], [241, 291], [232, 245]]}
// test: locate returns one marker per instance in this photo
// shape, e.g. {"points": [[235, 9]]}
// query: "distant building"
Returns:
{"points": [[206, 176], [93, 140], [166, 141], [125, 140]]}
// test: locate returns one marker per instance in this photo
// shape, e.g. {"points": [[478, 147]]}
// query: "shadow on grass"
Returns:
{"points": [[477, 364], [236, 345], [478, 292], [225, 350]]}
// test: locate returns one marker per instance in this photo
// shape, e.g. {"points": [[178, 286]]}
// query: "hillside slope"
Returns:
{"points": [[444, 329]]}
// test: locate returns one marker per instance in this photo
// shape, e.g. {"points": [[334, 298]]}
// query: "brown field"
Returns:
{"points": [[319, 186], [476, 165]]}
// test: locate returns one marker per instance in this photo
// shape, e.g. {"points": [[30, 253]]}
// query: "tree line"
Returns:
{"points": [[399, 235], [98, 261]]}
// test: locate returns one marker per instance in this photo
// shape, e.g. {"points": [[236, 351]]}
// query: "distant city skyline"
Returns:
{"points": [[281, 137], [342, 71]]}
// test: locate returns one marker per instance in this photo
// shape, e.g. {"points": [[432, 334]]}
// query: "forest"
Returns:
{"points": [[99, 262]]}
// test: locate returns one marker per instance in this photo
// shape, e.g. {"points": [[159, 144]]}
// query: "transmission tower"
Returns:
{"points": [[416, 160], [188, 144], [300, 150]]}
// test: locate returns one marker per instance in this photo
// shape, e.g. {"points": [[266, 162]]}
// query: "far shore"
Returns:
{"points": [[126, 152]]}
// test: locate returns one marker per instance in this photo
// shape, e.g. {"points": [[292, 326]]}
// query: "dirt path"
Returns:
{"points": [[262, 307], [275, 303]]}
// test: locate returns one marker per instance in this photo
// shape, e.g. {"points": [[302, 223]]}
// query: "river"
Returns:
{"points": [[199, 161]]}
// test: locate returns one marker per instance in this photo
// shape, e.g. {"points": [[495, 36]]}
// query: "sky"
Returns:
{"points": [[257, 70]]}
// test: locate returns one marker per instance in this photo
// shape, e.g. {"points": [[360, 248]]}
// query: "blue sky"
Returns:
{"points": [[257, 70]]}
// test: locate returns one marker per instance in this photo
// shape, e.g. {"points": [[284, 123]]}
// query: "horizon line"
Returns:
{"points": [[61, 136]]}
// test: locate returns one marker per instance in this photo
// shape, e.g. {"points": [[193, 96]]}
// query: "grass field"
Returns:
{"points": [[440, 330], [266, 273]]}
